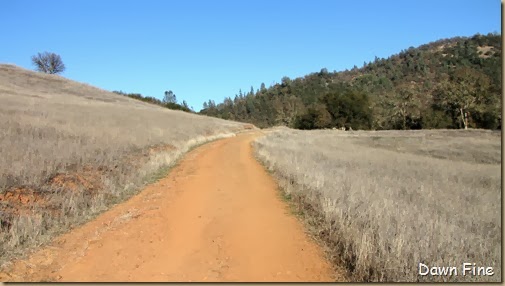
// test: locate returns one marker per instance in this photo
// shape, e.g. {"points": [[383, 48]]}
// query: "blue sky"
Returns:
{"points": [[210, 49]]}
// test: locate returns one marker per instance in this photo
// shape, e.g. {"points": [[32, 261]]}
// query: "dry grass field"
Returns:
{"points": [[69, 151], [383, 201]]}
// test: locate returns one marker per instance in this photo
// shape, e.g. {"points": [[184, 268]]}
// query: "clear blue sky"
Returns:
{"points": [[210, 49]]}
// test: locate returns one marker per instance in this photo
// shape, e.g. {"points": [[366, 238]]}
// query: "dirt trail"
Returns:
{"points": [[215, 217]]}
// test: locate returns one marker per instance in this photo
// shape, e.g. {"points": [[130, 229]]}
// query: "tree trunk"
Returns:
{"points": [[464, 118], [403, 114]]}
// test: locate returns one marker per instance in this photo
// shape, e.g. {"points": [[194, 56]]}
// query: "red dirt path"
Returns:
{"points": [[215, 217]]}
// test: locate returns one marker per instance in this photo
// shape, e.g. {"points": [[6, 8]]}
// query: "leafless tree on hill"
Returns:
{"points": [[48, 63]]}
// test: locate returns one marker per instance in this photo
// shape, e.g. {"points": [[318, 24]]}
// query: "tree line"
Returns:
{"points": [[169, 100], [450, 83]]}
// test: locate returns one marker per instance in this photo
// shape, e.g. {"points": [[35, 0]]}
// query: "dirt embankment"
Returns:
{"points": [[215, 217]]}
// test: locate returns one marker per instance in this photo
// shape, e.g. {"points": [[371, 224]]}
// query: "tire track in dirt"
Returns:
{"points": [[215, 217]]}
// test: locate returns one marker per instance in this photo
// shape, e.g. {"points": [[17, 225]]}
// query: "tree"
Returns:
{"points": [[323, 72], [323, 117], [464, 94], [47, 62], [262, 87], [286, 81], [349, 108], [169, 97], [316, 117], [307, 120], [405, 106]]}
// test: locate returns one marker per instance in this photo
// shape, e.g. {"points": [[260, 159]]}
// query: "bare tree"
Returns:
{"points": [[48, 63]]}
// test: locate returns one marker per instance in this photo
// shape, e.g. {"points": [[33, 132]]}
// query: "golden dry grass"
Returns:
{"points": [[80, 149], [384, 201]]}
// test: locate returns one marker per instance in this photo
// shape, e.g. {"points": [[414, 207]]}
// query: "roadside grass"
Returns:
{"points": [[158, 175], [312, 220], [70, 151], [286, 192], [381, 209]]}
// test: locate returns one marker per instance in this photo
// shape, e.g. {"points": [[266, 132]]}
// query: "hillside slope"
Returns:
{"points": [[70, 150], [449, 83]]}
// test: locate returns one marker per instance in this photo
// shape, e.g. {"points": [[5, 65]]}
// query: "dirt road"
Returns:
{"points": [[216, 217]]}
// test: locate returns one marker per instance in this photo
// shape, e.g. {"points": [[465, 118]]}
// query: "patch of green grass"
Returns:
{"points": [[159, 174], [286, 197]]}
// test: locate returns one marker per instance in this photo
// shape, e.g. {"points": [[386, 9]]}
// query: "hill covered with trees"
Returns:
{"points": [[450, 83]]}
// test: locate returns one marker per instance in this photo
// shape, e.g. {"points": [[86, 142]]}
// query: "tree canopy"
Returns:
{"points": [[47, 62]]}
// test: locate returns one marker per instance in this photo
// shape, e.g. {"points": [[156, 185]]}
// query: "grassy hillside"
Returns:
{"points": [[70, 150], [384, 201], [449, 83]]}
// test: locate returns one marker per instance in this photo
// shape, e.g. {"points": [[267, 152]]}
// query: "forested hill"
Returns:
{"points": [[450, 83]]}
